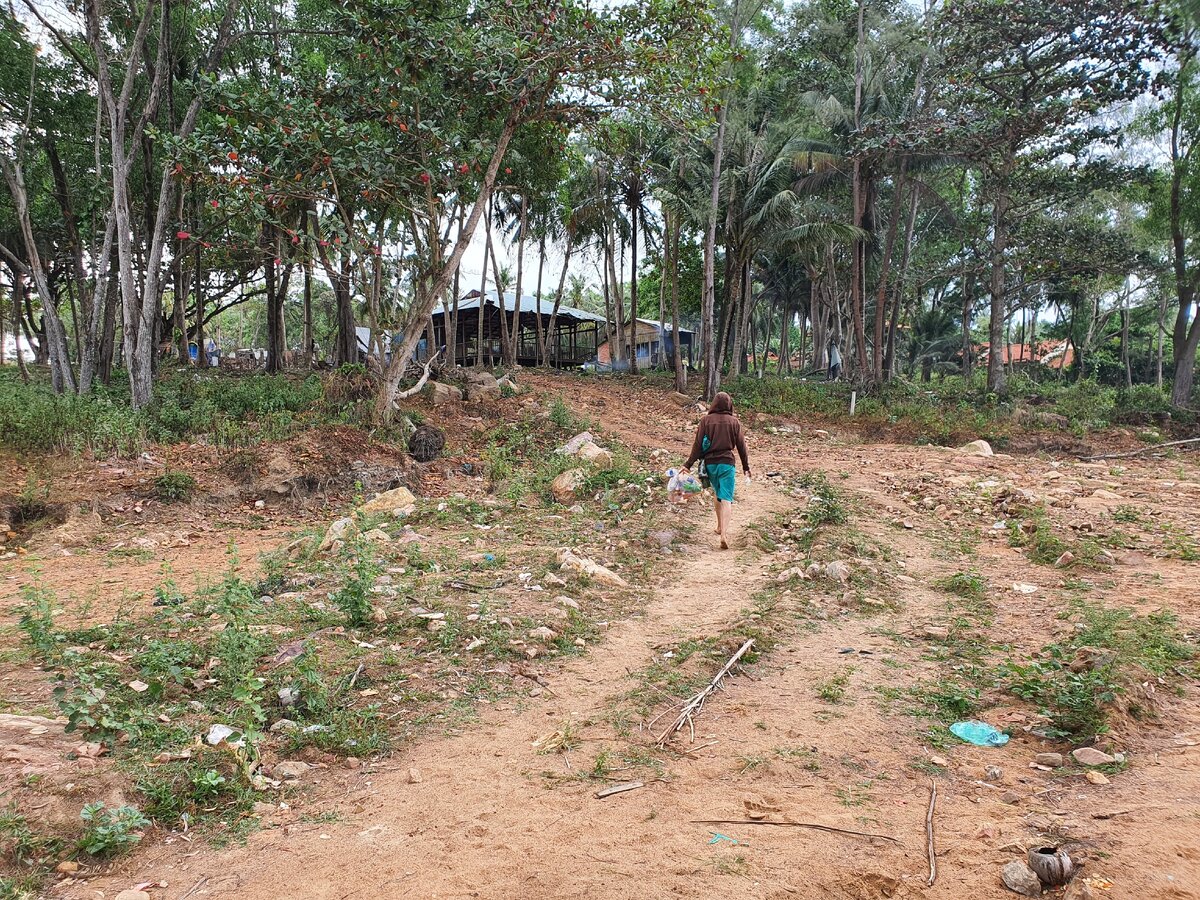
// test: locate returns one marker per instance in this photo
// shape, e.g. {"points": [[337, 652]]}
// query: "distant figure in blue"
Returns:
{"points": [[835, 362]]}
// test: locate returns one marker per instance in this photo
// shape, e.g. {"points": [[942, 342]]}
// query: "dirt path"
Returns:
{"points": [[490, 817], [481, 822]]}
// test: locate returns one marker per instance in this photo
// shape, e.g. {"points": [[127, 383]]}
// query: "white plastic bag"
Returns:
{"points": [[681, 485]]}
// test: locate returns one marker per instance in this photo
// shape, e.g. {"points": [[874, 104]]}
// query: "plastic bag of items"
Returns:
{"points": [[682, 485]]}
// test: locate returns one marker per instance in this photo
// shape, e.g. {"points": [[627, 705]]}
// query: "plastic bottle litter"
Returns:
{"points": [[981, 734]]}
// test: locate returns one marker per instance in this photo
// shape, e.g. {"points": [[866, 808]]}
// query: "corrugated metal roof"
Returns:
{"points": [[528, 305]]}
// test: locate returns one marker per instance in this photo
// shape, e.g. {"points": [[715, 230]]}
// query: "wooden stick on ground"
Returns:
{"points": [[831, 828], [1148, 449], [694, 705], [929, 833]]}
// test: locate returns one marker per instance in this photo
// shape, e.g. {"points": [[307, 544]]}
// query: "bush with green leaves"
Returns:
{"points": [[173, 486], [358, 570], [107, 831]]}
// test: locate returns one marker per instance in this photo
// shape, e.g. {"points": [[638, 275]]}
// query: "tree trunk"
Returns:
{"points": [[712, 369], [633, 289], [995, 376], [306, 337], [881, 292], [487, 250], [1185, 336], [681, 377], [548, 335], [515, 332], [18, 288], [275, 338], [539, 359]]}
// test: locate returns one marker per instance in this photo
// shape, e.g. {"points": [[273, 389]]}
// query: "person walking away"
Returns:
{"points": [[718, 435], [835, 361]]}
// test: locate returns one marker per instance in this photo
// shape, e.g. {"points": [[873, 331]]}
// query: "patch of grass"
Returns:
{"points": [[1077, 703], [962, 584], [833, 689], [807, 757]]}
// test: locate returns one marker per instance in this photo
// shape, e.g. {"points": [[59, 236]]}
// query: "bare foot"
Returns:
{"points": [[724, 543]]}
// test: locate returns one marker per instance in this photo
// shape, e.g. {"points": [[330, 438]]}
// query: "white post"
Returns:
{"points": [[853, 401]]}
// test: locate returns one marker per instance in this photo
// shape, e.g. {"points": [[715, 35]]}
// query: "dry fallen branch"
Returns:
{"points": [[416, 388], [1144, 450], [814, 825], [929, 833], [619, 789], [694, 705]]}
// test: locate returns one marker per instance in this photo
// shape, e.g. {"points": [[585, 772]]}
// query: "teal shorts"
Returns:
{"points": [[722, 477]]}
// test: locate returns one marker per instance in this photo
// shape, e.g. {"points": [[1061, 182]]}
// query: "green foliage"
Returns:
{"points": [[833, 689], [359, 569], [109, 832], [20, 843], [1077, 699], [962, 584], [173, 486], [826, 505]]}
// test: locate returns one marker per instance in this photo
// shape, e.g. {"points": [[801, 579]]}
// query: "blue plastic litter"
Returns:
{"points": [[981, 734], [489, 557], [717, 837]]}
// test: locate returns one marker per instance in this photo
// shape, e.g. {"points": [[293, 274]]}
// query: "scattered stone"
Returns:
{"points": [[939, 761], [379, 615], [1079, 889], [288, 696], [543, 634], [566, 484], [563, 600], [1096, 777], [139, 687], [67, 867], [994, 773], [1053, 760], [1065, 560], [584, 566], [1105, 495], [837, 571], [793, 572], [339, 530], [680, 399], [1018, 877], [389, 501], [132, 895], [289, 769], [378, 535], [441, 394], [414, 776], [1090, 756], [475, 644], [1012, 798], [283, 725], [596, 455], [977, 448], [935, 632], [1022, 587]]}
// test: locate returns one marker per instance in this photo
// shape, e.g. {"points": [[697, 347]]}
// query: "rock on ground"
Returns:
{"points": [[339, 530], [566, 484], [977, 448], [389, 502], [1018, 877], [568, 559], [441, 394], [1090, 756]]}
